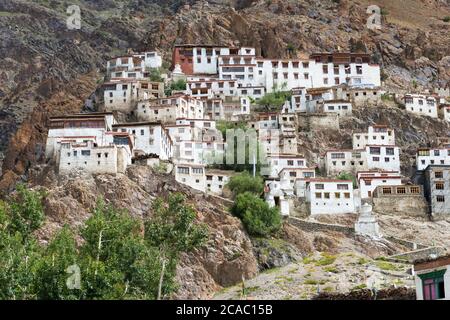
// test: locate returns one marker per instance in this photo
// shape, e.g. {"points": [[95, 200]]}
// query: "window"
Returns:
{"points": [[433, 285], [142, 132], [197, 170], [183, 170], [390, 151], [318, 195], [337, 195], [415, 190], [336, 69], [347, 195], [387, 190], [99, 155], [401, 190], [320, 186], [290, 162], [342, 186], [439, 186], [85, 152], [326, 195], [440, 198], [438, 174], [337, 156]]}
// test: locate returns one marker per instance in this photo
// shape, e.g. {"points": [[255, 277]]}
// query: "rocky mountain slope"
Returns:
{"points": [[227, 257], [44, 64]]}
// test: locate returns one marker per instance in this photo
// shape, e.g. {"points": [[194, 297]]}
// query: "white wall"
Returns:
{"points": [[432, 156], [339, 201], [422, 105]]}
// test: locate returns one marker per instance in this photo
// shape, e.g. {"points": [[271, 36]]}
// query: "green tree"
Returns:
{"points": [[26, 211], [173, 231], [245, 182], [17, 260], [176, 86], [347, 176], [272, 101], [155, 75], [256, 215], [117, 261], [50, 282]]}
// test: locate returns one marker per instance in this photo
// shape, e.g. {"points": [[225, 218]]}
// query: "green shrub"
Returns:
{"points": [[256, 215], [176, 86], [245, 182], [446, 19]]}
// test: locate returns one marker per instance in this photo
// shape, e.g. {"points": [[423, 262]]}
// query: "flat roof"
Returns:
{"points": [[136, 124], [431, 263]]}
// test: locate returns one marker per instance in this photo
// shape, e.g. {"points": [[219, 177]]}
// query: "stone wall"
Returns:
{"points": [[318, 226], [316, 121], [409, 244], [412, 256], [401, 205]]}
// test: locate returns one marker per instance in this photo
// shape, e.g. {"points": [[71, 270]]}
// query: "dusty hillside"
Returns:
{"points": [[227, 257]]}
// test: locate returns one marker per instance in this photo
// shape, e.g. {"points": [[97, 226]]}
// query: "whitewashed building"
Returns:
{"points": [[327, 196], [376, 135], [149, 138], [341, 107], [444, 111], [78, 128], [278, 162], [89, 157], [192, 175], [383, 157], [421, 105], [427, 156], [168, 110], [368, 181], [337, 161], [216, 180]]}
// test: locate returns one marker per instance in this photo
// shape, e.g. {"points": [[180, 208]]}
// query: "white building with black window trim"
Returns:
{"points": [[330, 196], [150, 138], [375, 135], [89, 157], [428, 156], [421, 104]]}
